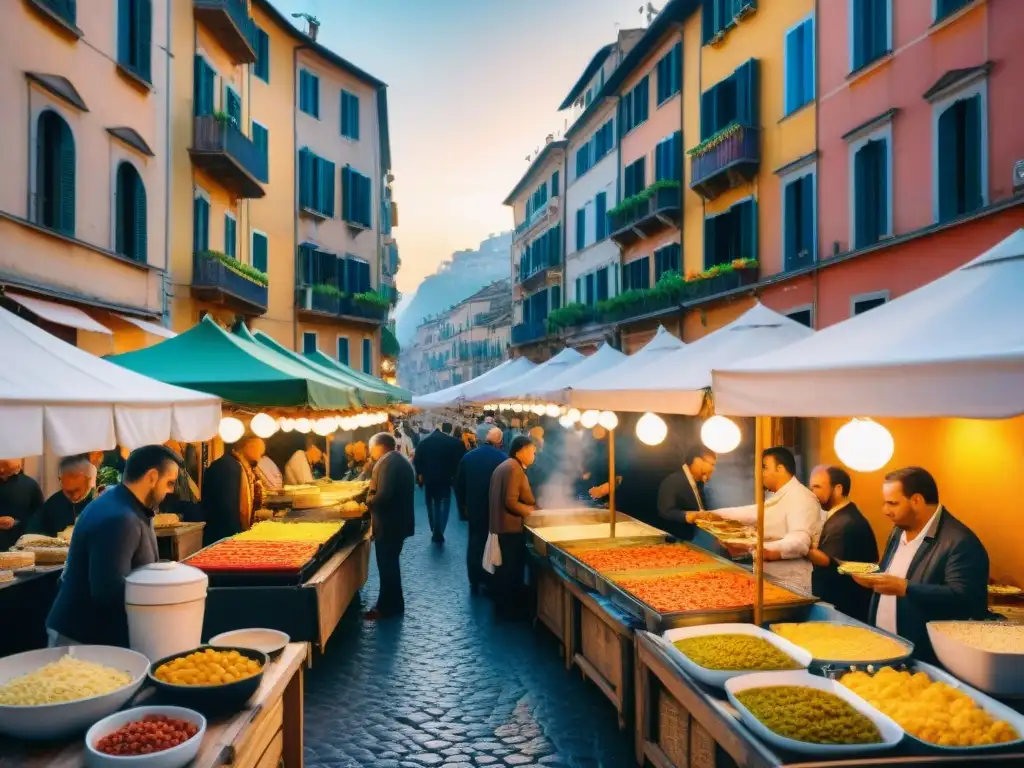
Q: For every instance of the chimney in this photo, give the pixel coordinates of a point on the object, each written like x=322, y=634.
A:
x=314, y=27
x=549, y=138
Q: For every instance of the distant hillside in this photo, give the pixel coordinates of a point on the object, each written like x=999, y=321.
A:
x=466, y=273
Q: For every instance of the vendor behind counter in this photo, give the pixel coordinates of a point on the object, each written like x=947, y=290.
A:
x=20, y=497
x=62, y=509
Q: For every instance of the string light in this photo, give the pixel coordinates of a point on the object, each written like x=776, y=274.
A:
x=651, y=429
x=864, y=445
x=230, y=429
x=720, y=434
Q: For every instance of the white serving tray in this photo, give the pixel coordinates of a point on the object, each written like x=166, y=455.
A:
x=716, y=677
x=999, y=674
x=892, y=733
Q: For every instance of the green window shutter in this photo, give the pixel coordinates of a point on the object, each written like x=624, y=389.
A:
x=579, y=297
x=354, y=120
x=143, y=39
x=327, y=180
x=791, y=224
x=710, y=243
x=973, y=197
x=707, y=113
x=197, y=84
x=66, y=157
x=746, y=213
x=807, y=218
x=314, y=88
x=262, y=69
x=229, y=235
x=861, y=196
x=881, y=191
x=346, y=193
x=140, y=238
x=305, y=178
x=261, y=138
x=200, y=224
x=367, y=356
x=601, y=215
x=302, y=90
x=124, y=32
x=259, y=251
x=343, y=350
x=581, y=228
x=748, y=108
x=554, y=184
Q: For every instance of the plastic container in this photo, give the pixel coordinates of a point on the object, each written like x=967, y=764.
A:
x=165, y=603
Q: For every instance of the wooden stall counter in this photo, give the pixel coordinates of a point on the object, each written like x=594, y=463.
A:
x=266, y=733
x=179, y=541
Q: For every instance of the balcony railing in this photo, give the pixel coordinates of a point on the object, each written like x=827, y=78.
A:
x=532, y=270
x=728, y=159
x=229, y=20
x=341, y=307
x=647, y=217
x=215, y=281
x=223, y=151
x=550, y=208
x=524, y=333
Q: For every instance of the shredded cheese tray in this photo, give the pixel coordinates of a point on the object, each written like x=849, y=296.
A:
x=64, y=680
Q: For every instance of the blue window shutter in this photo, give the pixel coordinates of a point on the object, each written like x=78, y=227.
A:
x=881, y=192
x=808, y=206
x=973, y=197
x=200, y=224
x=367, y=356
x=143, y=39
x=261, y=138
x=302, y=90
x=791, y=214
x=880, y=27
x=709, y=242
x=315, y=88
x=748, y=111
x=259, y=251
x=229, y=235
x=140, y=236
x=745, y=214
x=861, y=173
x=343, y=350
x=66, y=156
x=948, y=164
x=792, y=68
x=305, y=178
x=328, y=182
x=124, y=32
x=555, y=180
x=354, y=122
x=234, y=106
x=579, y=296
x=639, y=175
x=645, y=98
x=601, y=215
x=707, y=21
x=808, y=89
x=347, y=193
x=581, y=223
x=707, y=113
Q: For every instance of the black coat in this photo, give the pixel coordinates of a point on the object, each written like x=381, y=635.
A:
x=391, y=498
x=847, y=535
x=437, y=460
x=57, y=514
x=948, y=581
x=473, y=483
x=221, y=499
x=675, y=499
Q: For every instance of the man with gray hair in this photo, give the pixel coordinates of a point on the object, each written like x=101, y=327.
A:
x=472, y=486
x=61, y=510
x=391, y=501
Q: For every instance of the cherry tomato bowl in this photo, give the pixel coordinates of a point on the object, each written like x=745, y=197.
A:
x=173, y=757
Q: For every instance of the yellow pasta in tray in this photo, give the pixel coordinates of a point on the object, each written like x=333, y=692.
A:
x=67, y=679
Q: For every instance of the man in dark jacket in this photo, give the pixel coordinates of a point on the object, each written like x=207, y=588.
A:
x=20, y=497
x=113, y=537
x=230, y=490
x=472, y=489
x=511, y=500
x=682, y=493
x=63, y=508
x=391, y=501
x=436, y=461
x=934, y=567
x=845, y=536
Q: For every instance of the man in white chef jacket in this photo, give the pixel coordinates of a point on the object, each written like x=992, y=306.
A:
x=792, y=519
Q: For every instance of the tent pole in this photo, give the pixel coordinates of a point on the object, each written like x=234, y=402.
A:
x=759, y=446
x=611, y=479
x=327, y=456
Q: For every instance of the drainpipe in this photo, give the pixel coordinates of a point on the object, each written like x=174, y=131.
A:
x=616, y=336
x=815, y=277
x=295, y=202
x=165, y=279
x=29, y=213
x=682, y=170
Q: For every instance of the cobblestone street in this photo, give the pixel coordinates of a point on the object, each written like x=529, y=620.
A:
x=448, y=685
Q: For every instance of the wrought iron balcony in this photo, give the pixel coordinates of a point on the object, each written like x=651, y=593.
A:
x=647, y=217
x=223, y=151
x=544, y=213
x=215, y=281
x=525, y=333
x=341, y=307
x=726, y=160
x=230, y=22
x=534, y=274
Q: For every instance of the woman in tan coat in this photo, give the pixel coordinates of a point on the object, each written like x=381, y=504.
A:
x=511, y=500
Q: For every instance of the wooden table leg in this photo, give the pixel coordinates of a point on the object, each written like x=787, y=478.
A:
x=293, y=721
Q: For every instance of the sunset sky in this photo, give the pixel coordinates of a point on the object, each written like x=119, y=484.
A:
x=473, y=88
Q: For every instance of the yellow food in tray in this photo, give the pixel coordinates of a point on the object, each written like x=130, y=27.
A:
x=809, y=715
x=734, y=652
x=311, y=533
x=67, y=679
x=928, y=710
x=840, y=642
x=207, y=667
x=849, y=568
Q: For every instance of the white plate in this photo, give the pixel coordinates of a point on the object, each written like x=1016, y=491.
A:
x=267, y=640
x=718, y=677
x=999, y=674
x=891, y=732
x=54, y=721
x=175, y=757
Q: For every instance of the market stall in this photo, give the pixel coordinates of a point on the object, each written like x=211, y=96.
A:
x=464, y=393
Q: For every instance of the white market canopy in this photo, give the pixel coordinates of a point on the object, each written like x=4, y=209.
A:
x=453, y=396
x=520, y=387
x=601, y=362
x=73, y=402
x=675, y=382
x=952, y=348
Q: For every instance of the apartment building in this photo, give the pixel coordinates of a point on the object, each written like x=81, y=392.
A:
x=85, y=164
x=462, y=343
x=538, y=244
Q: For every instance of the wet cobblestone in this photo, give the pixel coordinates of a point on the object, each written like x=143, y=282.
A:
x=449, y=685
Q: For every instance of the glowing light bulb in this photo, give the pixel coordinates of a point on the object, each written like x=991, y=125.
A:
x=651, y=429
x=286, y=425
x=552, y=410
x=263, y=425
x=573, y=415
x=864, y=445
x=720, y=434
x=608, y=419
x=230, y=429
x=303, y=426
x=589, y=419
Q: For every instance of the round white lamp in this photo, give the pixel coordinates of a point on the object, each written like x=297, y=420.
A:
x=286, y=424
x=325, y=426
x=864, y=445
x=303, y=426
x=263, y=425
x=230, y=429
x=720, y=434
x=651, y=429
x=574, y=415
x=517, y=407
x=539, y=410
x=566, y=422
x=589, y=419
x=552, y=410
x=608, y=420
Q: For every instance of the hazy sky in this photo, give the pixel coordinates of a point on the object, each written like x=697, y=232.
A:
x=473, y=87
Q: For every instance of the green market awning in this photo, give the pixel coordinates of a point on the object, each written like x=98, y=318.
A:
x=397, y=394
x=209, y=359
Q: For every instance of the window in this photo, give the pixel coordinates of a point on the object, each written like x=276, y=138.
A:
x=944, y=8
x=602, y=284
x=668, y=158
x=357, y=274
x=130, y=214
x=233, y=105
x=555, y=293
x=601, y=216
x=55, y=174
x=869, y=31
x=636, y=275
x=356, y=194
x=554, y=184
x=667, y=259
x=230, y=235
x=799, y=82
x=309, y=342
x=633, y=182
x=203, y=78
x=589, y=293
x=736, y=99
x=798, y=224
x=634, y=106
x=870, y=192
x=582, y=160
x=309, y=93
x=960, y=157
x=349, y=115
x=200, y=222
x=261, y=138
x=259, y=251
x=803, y=315
x=367, y=356
x=731, y=234
x=262, y=66
x=134, y=36
x=719, y=15
x=343, y=349
x=581, y=228
x=544, y=251
x=867, y=301
x=316, y=183
x=670, y=74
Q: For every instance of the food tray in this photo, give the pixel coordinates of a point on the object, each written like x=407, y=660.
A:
x=996, y=709
x=891, y=733
x=547, y=518
x=719, y=677
x=584, y=573
x=271, y=578
x=999, y=674
x=822, y=663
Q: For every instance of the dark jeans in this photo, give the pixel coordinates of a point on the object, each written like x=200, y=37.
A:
x=439, y=504
x=475, y=552
x=511, y=574
x=390, y=601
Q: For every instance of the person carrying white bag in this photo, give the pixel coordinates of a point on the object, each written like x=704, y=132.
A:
x=511, y=501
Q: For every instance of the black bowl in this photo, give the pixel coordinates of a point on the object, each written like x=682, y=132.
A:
x=216, y=699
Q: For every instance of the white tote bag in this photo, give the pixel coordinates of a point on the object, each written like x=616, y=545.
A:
x=492, y=553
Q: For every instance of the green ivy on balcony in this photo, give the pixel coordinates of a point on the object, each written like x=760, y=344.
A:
x=714, y=140
x=389, y=346
x=569, y=316
x=372, y=299
x=233, y=264
x=645, y=195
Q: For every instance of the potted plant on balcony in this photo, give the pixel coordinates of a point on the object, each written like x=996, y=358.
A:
x=373, y=303
x=234, y=265
x=569, y=316
x=643, y=196
x=714, y=140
